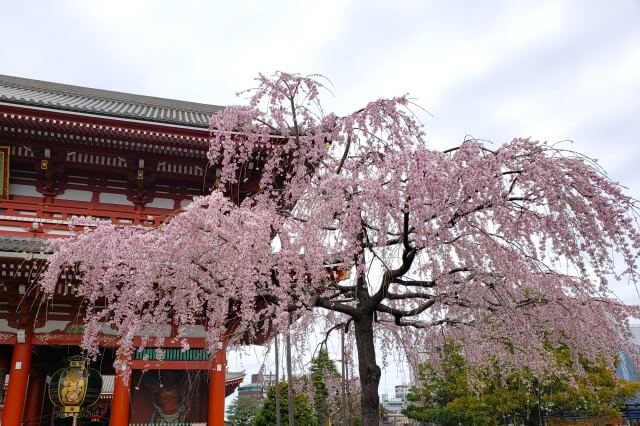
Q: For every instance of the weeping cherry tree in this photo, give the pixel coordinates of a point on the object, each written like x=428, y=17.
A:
x=507, y=249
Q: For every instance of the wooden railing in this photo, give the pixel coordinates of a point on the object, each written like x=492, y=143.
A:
x=31, y=217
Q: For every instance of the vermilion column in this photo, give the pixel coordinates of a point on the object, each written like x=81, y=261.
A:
x=18, y=380
x=120, y=403
x=4, y=364
x=33, y=404
x=216, y=387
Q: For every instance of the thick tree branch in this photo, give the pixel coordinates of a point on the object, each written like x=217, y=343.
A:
x=334, y=306
x=420, y=324
x=408, y=295
x=345, y=154
x=401, y=313
x=414, y=283
x=408, y=256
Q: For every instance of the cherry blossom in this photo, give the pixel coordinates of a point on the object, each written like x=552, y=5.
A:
x=357, y=221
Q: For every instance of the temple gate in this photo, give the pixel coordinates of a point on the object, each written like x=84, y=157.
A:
x=68, y=150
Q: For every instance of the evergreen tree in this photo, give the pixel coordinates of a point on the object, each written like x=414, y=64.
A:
x=323, y=372
x=445, y=397
x=242, y=411
x=303, y=414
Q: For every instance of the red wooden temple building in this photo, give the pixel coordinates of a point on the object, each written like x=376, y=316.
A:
x=65, y=151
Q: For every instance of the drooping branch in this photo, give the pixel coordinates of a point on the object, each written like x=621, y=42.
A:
x=340, y=326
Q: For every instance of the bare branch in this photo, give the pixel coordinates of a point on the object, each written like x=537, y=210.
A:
x=420, y=324
x=344, y=155
x=399, y=313
x=414, y=283
x=408, y=295
x=335, y=306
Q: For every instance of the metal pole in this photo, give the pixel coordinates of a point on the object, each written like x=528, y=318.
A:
x=289, y=382
x=349, y=400
x=344, y=384
x=47, y=381
x=277, y=383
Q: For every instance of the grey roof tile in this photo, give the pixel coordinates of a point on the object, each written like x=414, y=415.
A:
x=24, y=91
x=22, y=245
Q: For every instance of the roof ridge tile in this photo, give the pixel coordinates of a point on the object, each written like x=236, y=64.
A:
x=66, y=97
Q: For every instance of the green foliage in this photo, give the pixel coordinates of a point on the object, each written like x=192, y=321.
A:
x=303, y=414
x=321, y=368
x=446, y=398
x=242, y=411
x=598, y=391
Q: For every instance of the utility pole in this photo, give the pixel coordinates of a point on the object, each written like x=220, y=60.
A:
x=289, y=380
x=277, y=383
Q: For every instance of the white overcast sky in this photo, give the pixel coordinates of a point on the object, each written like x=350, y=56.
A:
x=548, y=69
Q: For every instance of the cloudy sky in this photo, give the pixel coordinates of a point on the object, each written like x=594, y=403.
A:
x=551, y=70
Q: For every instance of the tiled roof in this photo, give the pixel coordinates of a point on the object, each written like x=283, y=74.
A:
x=234, y=375
x=22, y=245
x=24, y=91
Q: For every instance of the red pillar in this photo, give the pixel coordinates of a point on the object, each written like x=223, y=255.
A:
x=33, y=405
x=4, y=363
x=18, y=380
x=120, y=403
x=216, y=387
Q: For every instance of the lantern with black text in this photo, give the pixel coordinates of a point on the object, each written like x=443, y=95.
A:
x=75, y=387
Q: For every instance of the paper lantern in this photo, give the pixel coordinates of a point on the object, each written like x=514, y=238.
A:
x=75, y=387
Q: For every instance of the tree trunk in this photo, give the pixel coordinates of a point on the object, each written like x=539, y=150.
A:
x=369, y=370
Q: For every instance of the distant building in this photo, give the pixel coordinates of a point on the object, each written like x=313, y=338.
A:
x=628, y=370
x=257, y=389
x=267, y=380
x=253, y=390
x=399, y=401
x=393, y=407
x=402, y=391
